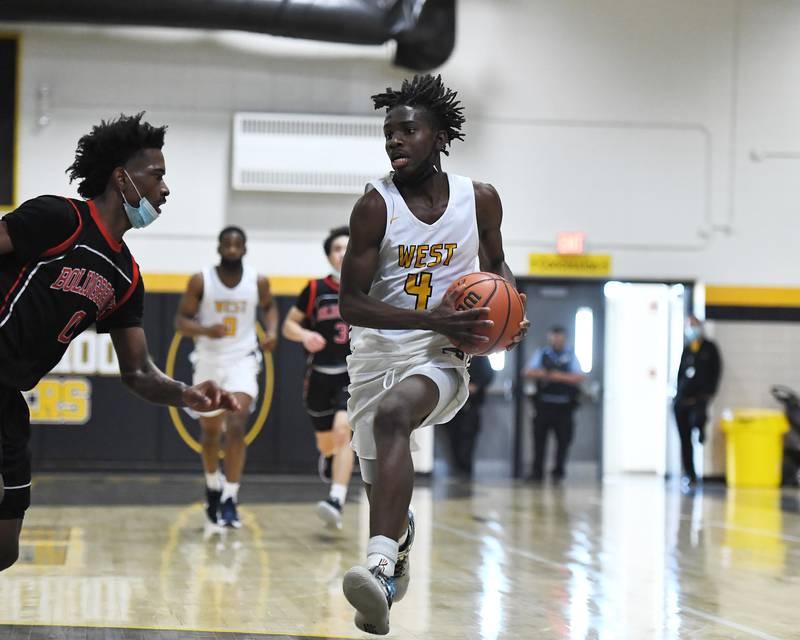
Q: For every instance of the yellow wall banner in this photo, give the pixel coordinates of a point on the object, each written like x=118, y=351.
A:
x=559, y=266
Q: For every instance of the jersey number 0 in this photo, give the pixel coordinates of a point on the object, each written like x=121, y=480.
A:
x=230, y=325
x=419, y=286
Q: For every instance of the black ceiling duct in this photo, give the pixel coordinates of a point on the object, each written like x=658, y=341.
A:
x=424, y=29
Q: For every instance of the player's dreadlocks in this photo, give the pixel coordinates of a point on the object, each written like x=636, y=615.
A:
x=109, y=145
x=429, y=93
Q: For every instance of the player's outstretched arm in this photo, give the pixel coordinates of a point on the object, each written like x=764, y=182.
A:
x=145, y=379
x=358, y=308
x=189, y=306
x=294, y=330
x=489, y=211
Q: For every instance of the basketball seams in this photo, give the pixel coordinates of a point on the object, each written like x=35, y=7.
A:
x=489, y=297
x=505, y=322
x=485, y=302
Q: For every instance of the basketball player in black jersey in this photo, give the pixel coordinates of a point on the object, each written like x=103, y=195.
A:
x=65, y=268
x=314, y=321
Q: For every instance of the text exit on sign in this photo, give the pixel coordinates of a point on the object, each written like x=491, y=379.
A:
x=571, y=243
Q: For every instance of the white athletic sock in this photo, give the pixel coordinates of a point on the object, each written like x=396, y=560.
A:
x=214, y=481
x=382, y=552
x=339, y=492
x=230, y=490
x=403, y=538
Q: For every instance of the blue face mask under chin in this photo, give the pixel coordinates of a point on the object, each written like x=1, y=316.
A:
x=142, y=215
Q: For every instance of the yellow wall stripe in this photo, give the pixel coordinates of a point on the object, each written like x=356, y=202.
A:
x=724, y=296
x=716, y=295
x=176, y=283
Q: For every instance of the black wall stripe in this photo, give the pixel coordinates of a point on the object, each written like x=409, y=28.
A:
x=8, y=106
x=761, y=314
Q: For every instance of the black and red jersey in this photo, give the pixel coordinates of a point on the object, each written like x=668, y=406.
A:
x=65, y=274
x=319, y=301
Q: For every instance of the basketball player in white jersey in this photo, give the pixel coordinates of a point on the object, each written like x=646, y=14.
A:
x=219, y=310
x=412, y=235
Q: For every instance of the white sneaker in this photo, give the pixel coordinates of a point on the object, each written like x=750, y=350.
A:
x=330, y=511
x=371, y=593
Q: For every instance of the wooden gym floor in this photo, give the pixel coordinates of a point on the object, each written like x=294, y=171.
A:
x=130, y=558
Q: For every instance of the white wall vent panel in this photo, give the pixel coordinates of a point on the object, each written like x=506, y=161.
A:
x=306, y=153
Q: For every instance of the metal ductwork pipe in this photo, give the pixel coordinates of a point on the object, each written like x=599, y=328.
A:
x=424, y=29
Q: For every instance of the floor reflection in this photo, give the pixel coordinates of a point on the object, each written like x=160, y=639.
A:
x=631, y=558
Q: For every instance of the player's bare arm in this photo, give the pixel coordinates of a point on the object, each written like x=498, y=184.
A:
x=489, y=211
x=294, y=330
x=5, y=240
x=269, y=310
x=367, y=225
x=188, y=308
x=145, y=379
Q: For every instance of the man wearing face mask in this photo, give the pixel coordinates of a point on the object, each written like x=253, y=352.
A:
x=219, y=310
x=64, y=268
x=314, y=321
x=698, y=379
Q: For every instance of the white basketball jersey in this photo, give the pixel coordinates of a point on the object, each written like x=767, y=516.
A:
x=233, y=307
x=418, y=261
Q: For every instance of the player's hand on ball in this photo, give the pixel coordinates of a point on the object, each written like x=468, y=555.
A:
x=459, y=326
x=208, y=396
x=269, y=342
x=313, y=342
x=217, y=331
x=523, y=326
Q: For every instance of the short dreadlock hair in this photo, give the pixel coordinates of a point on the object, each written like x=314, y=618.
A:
x=428, y=92
x=110, y=145
x=336, y=232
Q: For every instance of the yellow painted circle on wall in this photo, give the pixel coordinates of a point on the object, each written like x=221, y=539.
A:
x=266, y=395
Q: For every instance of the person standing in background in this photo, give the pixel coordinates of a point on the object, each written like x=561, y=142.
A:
x=698, y=379
x=463, y=429
x=558, y=378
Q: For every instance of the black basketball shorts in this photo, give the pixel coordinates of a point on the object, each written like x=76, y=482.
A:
x=324, y=395
x=15, y=455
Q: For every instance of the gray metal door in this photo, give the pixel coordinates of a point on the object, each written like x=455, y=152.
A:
x=557, y=303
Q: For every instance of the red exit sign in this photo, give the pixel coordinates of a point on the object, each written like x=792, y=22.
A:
x=571, y=243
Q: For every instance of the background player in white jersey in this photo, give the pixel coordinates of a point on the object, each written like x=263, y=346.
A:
x=219, y=310
x=314, y=320
x=417, y=231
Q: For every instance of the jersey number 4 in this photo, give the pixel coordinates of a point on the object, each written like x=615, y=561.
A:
x=419, y=286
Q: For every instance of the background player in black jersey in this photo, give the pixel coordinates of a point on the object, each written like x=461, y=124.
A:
x=314, y=321
x=63, y=268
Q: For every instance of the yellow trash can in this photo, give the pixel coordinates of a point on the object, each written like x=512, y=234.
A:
x=754, y=452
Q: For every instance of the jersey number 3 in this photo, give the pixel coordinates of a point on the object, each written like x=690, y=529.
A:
x=419, y=286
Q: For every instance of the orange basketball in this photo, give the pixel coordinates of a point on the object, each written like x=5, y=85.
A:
x=505, y=309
